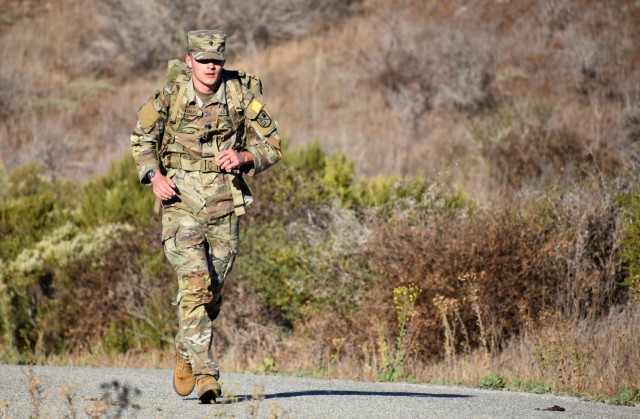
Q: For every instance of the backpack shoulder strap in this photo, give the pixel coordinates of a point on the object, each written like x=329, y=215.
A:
x=178, y=73
x=176, y=100
x=230, y=77
x=236, y=94
x=234, y=97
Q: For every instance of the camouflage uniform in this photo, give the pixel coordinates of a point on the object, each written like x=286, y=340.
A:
x=200, y=226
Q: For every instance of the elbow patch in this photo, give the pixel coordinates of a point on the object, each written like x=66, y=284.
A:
x=260, y=118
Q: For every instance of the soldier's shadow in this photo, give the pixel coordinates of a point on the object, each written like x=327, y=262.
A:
x=285, y=395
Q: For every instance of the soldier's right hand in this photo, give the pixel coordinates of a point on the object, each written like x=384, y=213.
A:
x=163, y=187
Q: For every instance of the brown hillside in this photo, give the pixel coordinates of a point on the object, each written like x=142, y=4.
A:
x=484, y=94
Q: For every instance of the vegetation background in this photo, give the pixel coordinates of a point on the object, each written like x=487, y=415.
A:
x=458, y=202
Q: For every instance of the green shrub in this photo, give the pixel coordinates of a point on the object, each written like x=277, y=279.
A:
x=115, y=341
x=628, y=396
x=30, y=207
x=22, y=222
x=338, y=179
x=310, y=159
x=117, y=196
x=276, y=269
x=493, y=382
x=285, y=190
x=307, y=177
x=537, y=387
x=631, y=241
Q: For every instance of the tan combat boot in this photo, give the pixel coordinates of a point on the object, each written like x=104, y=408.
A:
x=208, y=389
x=183, y=379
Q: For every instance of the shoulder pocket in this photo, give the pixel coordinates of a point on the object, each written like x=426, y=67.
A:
x=148, y=115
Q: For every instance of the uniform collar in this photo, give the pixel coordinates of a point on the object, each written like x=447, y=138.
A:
x=219, y=96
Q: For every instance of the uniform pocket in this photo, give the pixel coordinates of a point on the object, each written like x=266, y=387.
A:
x=169, y=231
x=189, y=190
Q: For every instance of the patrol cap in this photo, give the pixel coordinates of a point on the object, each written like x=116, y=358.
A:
x=206, y=44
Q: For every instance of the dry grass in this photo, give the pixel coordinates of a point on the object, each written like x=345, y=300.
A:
x=407, y=97
x=587, y=356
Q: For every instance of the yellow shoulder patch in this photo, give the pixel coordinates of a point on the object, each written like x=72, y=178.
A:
x=148, y=116
x=254, y=108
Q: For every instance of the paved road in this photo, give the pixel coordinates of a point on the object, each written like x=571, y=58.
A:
x=148, y=394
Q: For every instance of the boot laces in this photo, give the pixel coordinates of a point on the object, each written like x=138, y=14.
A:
x=183, y=365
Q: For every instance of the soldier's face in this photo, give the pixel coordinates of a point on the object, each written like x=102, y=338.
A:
x=205, y=73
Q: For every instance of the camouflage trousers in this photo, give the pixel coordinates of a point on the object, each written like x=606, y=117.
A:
x=202, y=252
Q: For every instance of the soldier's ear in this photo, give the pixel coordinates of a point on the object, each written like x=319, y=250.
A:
x=187, y=59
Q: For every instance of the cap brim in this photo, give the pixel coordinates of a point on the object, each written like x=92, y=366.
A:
x=204, y=55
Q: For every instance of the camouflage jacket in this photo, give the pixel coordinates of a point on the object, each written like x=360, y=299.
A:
x=182, y=143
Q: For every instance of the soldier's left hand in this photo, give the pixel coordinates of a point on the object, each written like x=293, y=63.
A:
x=231, y=159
